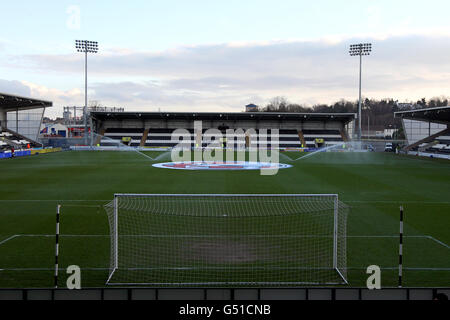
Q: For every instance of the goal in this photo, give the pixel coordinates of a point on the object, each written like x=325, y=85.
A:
x=227, y=239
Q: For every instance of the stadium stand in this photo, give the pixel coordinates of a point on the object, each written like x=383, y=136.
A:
x=161, y=137
x=440, y=145
x=24, y=114
x=443, y=139
x=328, y=137
x=13, y=139
x=154, y=129
x=4, y=146
x=127, y=136
x=427, y=131
x=10, y=140
x=287, y=138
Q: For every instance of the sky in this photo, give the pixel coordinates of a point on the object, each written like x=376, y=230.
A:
x=221, y=55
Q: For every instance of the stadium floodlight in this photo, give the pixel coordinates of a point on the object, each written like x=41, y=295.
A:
x=86, y=47
x=227, y=239
x=360, y=49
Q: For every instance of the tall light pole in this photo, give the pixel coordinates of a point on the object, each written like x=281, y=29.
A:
x=360, y=49
x=86, y=47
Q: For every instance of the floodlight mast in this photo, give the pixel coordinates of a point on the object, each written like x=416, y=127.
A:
x=360, y=49
x=91, y=47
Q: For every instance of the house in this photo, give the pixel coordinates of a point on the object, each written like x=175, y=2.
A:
x=251, y=108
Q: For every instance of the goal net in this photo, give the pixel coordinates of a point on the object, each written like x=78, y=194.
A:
x=227, y=239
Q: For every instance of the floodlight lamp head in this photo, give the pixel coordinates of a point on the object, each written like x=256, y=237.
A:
x=86, y=46
x=361, y=49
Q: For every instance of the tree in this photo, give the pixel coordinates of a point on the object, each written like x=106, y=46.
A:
x=422, y=102
x=380, y=113
x=277, y=104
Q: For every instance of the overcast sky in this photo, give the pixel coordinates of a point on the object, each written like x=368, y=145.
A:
x=221, y=55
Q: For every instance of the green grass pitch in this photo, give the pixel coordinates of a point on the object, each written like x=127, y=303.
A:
x=374, y=185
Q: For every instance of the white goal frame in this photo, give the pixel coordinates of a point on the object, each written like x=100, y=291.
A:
x=114, y=229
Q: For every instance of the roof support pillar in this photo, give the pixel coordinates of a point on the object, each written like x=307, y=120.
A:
x=2, y=119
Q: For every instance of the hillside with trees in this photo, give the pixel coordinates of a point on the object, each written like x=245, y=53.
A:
x=376, y=114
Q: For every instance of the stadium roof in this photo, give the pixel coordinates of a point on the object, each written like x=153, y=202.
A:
x=9, y=102
x=438, y=114
x=345, y=117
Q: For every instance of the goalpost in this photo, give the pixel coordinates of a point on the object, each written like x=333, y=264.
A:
x=227, y=239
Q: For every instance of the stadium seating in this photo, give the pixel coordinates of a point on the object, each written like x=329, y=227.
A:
x=162, y=137
x=158, y=137
x=330, y=137
x=11, y=139
x=440, y=145
x=5, y=134
x=289, y=139
x=113, y=136
x=444, y=139
x=4, y=146
x=422, y=146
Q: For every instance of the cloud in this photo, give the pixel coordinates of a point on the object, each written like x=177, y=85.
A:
x=281, y=57
x=58, y=97
x=151, y=97
x=14, y=87
x=227, y=76
x=374, y=17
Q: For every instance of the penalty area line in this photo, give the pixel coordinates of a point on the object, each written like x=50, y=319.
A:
x=51, y=235
x=438, y=241
x=9, y=238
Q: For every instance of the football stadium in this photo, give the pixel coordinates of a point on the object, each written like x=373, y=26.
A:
x=233, y=158
x=239, y=200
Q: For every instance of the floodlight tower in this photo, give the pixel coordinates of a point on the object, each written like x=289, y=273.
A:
x=360, y=49
x=86, y=47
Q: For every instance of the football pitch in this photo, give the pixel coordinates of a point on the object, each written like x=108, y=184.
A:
x=373, y=185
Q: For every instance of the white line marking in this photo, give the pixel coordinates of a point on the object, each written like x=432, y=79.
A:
x=395, y=201
x=101, y=235
x=191, y=236
x=343, y=200
x=48, y=200
x=213, y=236
x=427, y=237
x=185, y=268
x=10, y=238
x=387, y=236
x=440, y=242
